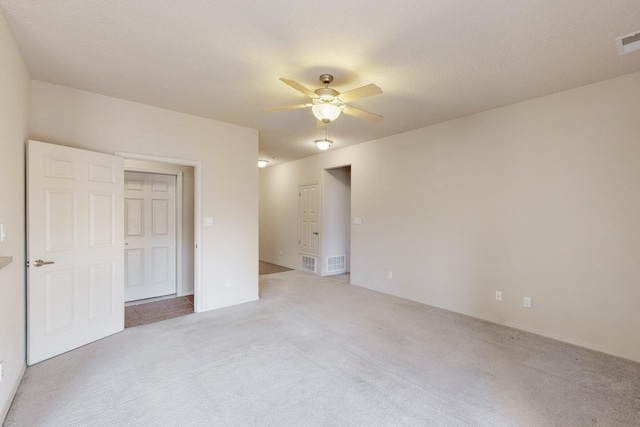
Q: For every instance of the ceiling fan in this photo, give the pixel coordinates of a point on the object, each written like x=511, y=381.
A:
x=327, y=103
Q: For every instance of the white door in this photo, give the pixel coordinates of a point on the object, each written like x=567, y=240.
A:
x=150, y=235
x=309, y=229
x=75, y=289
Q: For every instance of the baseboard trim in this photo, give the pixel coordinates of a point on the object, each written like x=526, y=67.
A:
x=12, y=395
x=550, y=335
x=555, y=337
x=513, y=325
x=229, y=304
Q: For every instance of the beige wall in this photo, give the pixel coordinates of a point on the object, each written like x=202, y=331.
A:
x=227, y=153
x=538, y=199
x=14, y=120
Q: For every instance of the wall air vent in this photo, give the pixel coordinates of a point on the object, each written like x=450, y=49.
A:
x=628, y=43
x=309, y=263
x=336, y=264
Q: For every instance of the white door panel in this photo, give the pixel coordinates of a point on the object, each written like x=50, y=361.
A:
x=309, y=229
x=150, y=235
x=74, y=221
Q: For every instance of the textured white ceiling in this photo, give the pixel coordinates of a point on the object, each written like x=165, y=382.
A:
x=434, y=59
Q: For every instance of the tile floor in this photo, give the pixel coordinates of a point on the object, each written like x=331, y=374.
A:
x=150, y=312
x=268, y=268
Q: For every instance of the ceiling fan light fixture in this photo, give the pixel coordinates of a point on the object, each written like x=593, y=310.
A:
x=326, y=112
x=323, y=144
x=262, y=163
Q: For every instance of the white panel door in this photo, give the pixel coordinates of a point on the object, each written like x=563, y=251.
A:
x=75, y=289
x=150, y=235
x=309, y=226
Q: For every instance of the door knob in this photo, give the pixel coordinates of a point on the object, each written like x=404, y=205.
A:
x=315, y=232
x=40, y=263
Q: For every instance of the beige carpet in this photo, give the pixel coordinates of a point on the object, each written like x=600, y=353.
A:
x=319, y=352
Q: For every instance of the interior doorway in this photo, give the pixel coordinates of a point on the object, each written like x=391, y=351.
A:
x=151, y=295
x=336, y=221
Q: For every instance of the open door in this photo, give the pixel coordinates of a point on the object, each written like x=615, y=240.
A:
x=75, y=237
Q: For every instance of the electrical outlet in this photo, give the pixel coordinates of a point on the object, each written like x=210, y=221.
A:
x=498, y=295
x=390, y=275
x=227, y=283
x=527, y=302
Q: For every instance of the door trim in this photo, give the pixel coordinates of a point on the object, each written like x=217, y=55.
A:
x=197, y=201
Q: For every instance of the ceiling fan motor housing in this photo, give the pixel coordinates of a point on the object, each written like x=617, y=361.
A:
x=326, y=94
x=326, y=78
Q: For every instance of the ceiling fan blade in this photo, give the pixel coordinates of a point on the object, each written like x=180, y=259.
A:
x=361, y=92
x=361, y=114
x=297, y=86
x=288, y=107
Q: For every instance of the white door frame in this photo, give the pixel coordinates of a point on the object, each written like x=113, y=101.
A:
x=197, y=201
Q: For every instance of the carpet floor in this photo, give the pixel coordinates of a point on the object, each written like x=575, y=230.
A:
x=318, y=352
